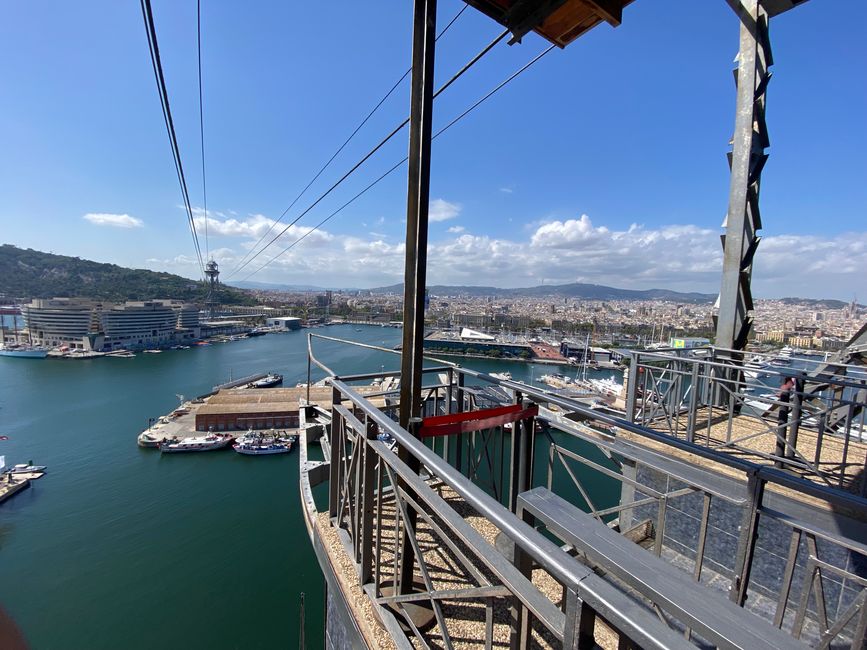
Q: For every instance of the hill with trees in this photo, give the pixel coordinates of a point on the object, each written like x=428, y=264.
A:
x=26, y=273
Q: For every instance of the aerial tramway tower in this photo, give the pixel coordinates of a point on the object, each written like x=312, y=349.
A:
x=212, y=274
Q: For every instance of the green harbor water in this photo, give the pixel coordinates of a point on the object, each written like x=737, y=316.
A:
x=122, y=547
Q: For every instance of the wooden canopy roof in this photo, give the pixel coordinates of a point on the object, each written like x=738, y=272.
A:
x=559, y=21
x=562, y=21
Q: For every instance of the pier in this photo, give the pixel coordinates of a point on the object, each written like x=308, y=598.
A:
x=241, y=409
x=12, y=484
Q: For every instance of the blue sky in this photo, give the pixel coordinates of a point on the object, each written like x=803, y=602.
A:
x=605, y=162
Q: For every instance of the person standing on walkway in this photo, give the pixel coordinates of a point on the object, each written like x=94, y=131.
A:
x=785, y=397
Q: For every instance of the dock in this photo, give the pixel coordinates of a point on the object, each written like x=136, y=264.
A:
x=17, y=483
x=234, y=409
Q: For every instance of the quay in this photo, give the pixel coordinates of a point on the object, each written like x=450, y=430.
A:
x=11, y=485
x=241, y=409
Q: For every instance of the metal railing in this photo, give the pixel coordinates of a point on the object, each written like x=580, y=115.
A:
x=394, y=512
x=818, y=428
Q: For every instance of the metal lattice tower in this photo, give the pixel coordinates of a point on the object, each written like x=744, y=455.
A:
x=746, y=160
x=212, y=273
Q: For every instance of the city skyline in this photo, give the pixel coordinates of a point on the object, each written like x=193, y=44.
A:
x=618, y=178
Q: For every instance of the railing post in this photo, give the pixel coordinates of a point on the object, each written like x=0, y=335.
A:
x=632, y=386
x=519, y=637
x=629, y=470
x=749, y=533
x=337, y=450
x=580, y=621
x=693, y=403
x=521, y=465
x=459, y=438
x=369, y=459
x=407, y=556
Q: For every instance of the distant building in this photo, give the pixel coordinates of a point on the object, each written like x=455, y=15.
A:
x=687, y=343
x=100, y=327
x=284, y=323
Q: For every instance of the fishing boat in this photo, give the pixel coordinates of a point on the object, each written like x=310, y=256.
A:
x=264, y=448
x=197, y=443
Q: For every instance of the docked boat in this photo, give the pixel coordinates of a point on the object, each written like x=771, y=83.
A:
x=23, y=351
x=753, y=368
x=121, y=354
x=25, y=468
x=152, y=351
x=264, y=449
x=271, y=380
x=609, y=387
x=149, y=439
x=197, y=443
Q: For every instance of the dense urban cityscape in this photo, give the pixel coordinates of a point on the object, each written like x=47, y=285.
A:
x=808, y=324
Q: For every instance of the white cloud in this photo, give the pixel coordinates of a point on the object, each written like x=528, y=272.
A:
x=681, y=257
x=441, y=210
x=564, y=234
x=506, y=190
x=254, y=225
x=113, y=220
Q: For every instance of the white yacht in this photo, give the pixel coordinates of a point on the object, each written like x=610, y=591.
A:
x=197, y=443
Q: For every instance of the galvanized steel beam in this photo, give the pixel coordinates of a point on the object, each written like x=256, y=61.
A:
x=747, y=159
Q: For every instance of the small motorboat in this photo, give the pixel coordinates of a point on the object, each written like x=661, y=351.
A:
x=25, y=468
x=273, y=379
x=197, y=443
x=148, y=439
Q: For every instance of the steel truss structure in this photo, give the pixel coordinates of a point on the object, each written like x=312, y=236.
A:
x=708, y=570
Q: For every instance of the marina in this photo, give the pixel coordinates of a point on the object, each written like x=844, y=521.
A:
x=135, y=529
x=496, y=472
x=130, y=504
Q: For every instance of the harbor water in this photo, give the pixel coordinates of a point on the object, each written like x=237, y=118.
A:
x=122, y=547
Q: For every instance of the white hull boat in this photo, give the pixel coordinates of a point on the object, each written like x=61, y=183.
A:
x=197, y=443
x=23, y=352
x=263, y=450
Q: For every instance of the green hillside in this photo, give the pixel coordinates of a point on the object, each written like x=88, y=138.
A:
x=34, y=274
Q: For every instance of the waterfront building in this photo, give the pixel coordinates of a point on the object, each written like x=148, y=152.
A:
x=88, y=325
x=284, y=323
x=67, y=322
x=472, y=342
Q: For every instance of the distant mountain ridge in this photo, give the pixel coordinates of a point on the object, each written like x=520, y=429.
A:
x=818, y=303
x=26, y=273
x=273, y=286
x=573, y=290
